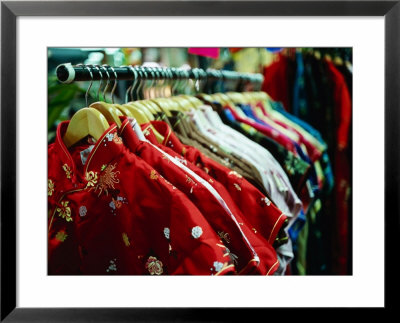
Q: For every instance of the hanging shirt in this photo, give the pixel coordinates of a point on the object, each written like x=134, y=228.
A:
x=111, y=213
x=255, y=206
x=251, y=253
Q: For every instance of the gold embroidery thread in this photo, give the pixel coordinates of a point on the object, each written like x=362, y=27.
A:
x=64, y=211
x=153, y=174
x=237, y=187
x=50, y=187
x=67, y=171
x=125, y=238
x=61, y=236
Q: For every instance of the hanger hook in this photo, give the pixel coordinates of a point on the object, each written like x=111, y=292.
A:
x=101, y=81
x=108, y=81
x=135, y=80
x=91, y=82
x=141, y=75
x=115, y=84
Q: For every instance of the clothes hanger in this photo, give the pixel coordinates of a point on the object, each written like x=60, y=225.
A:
x=110, y=112
x=135, y=110
x=85, y=122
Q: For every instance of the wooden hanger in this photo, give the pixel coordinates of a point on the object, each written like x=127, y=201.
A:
x=110, y=112
x=85, y=122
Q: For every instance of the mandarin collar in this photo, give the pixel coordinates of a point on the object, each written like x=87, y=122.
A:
x=104, y=151
x=170, y=139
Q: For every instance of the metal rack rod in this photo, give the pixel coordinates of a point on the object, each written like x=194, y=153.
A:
x=67, y=73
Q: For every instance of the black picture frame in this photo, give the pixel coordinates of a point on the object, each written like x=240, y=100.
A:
x=10, y=10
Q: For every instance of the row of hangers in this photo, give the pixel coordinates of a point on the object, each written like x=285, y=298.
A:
x=94, y=119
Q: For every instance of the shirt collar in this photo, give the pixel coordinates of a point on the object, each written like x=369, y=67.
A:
x=104, y=151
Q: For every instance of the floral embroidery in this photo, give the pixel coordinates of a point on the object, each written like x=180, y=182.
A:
x=146, y=132
x=211, y=181
x=183, y=151
x=237, y=187
x=112, y=266
x=50, y=187
x=91, y=178
x=265, y=200
x=125, y=238
x=154, y=266
x=82, y=210
x=67, y=170
x=117, y=139
x=218, y=266
x=61, y=236
x=166, y=233
x=225, y=236
x=107, y=179
x=189, y=180
x=110, y=136
x=103, y=167
x=153, y=174
x=197, y=232
x=116, y=203
x=206, y=170
x=235, y=174
x=64, y=211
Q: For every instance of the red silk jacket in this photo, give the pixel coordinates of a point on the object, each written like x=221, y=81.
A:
x=111, y=213
x=251, y=253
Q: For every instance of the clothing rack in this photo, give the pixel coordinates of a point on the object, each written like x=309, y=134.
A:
x=67, y=73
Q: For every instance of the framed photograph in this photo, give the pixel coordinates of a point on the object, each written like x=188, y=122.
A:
x=39, y=41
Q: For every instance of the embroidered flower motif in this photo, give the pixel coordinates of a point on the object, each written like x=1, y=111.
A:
x=112, y=205
x=146, y=132
x=206, y=170
x=103, y=167
x=189, y=180
x=225, y=236
x=218, y=266
x=183, y=151
x=107, y=179
x=166, y=233
x=61, y=236
x=235, y=174
x=91, y=178
x=197, y=232
x=112, y=266
x=153, y=174
x=266, y=201
x=82, y=210
x=50, y=187
x=117, y=139
x=154, y=266
x=67, y=171
x=237, y=186
x=125, y=238
x=64, y=211
x=110, y=136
